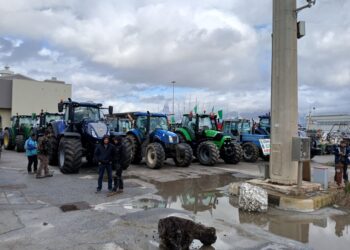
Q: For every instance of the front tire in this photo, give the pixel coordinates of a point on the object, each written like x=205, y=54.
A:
x=126, y=153
x=250, y=152
x=232, y=153
x=208, y=153
x=136, y=154
x=183, y=155
x=7, y=140
x=155, y=155
x=70, y=153
x=20, y=143
x=53, y=148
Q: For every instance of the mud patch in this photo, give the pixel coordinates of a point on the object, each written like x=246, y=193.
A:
x=74, y=206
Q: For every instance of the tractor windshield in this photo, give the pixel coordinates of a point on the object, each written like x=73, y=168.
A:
x=124, y=125
x=158, y=122
x=86, y=113
x=25, y=120
x=52, y=117
x=245, y=127
x=264, y=122
x=205, y=123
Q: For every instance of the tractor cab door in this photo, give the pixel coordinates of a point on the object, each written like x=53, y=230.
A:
x=189, y=123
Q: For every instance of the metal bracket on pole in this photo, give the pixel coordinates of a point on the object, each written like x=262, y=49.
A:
x=309, y=4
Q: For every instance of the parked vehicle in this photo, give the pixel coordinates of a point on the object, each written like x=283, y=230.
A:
x=16, y=135
x=208, y=144
x=150, y=138
x=77, y=134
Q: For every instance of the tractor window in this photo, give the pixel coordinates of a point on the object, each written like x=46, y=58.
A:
x=52, y=117
x=159, y=122
x=185, y=121
x=245, y=127
x=87, y=113
x=264, y=122
x=141, y=122
x=25, y=120
x=205, y=123
x=124, y=125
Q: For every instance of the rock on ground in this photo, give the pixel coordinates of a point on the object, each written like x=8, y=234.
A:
x=252, y=198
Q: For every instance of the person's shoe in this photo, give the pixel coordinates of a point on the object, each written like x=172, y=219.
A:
x=98, y=190
x=48, y=175
x=39, y=176
x=114, y=189
x=120, y=191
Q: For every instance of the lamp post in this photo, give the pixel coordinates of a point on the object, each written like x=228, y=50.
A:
x=173, y=82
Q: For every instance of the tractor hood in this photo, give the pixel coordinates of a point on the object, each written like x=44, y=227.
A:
x=97, y=129
x=211, y=133
x=165, y=136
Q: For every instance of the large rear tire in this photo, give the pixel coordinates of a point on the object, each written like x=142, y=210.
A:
x=53, y=149
x=7, y=140
x=136, y=154
x=126, y=153
x=183, y=155
x=232, y=153
x=70, y=153
x=155, y=155
x=20, y=143
x=208, y=153
x=250, y=152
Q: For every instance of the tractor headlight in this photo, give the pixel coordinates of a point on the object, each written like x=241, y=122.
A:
x=93, y=133
x=171, y=140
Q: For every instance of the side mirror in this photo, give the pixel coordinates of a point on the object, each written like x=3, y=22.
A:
x=110, y=110
x=60, y=107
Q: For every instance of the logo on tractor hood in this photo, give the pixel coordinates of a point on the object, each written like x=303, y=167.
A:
x=98, y=129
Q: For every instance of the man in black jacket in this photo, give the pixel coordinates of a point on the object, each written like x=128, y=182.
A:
x=104, y=156
x=118, y=180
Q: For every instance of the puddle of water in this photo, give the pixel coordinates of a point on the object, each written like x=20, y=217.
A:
x=206, y=199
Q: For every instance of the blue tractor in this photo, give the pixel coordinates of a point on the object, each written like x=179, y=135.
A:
x=77, y=134
x=150, y=138
x=244, y=133
x=263, y=127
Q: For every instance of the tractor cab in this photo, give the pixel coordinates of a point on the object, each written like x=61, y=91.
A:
x=264, y=125
x=236, y=127
x=200, y=125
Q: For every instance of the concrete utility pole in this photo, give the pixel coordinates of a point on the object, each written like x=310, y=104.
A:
x=284, y=92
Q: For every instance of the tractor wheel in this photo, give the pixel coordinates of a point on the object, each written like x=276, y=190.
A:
x=53, y=147
x=183, y=155
x=136, y=154
x=126, y=153
x=208, y=153
x=7, y=140
x=250, y=152
x=70, y=153
x=232, y=153
x=155, y=155
x=20, y=143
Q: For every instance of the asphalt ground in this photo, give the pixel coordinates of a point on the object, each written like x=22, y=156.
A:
x=31, y=216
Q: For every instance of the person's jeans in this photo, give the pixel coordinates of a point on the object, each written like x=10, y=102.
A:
x=32, y=159
x=101, y=171
x=345, y=172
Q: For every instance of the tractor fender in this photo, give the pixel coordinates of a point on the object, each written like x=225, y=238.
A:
x=137, y=134
x=71, y=134
x=185, y=133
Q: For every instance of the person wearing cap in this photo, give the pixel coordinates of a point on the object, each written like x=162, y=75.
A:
x=341, y=160
x=104, y=156
x=118, y=179
x=43, y=151
x=31, y=147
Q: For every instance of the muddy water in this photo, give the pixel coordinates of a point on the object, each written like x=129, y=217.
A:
x=206, y=199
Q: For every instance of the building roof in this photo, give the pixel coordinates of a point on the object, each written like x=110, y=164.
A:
x=16, y=76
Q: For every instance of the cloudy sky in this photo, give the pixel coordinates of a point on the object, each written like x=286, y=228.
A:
x=126, y=53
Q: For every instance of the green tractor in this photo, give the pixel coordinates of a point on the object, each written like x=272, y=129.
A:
x=208, y=144
x=20, y=130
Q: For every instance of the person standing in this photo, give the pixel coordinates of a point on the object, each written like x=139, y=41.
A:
x=43, y=151
x=341, y=153
x=118, y=179
x=31, y=148
x=104, y=156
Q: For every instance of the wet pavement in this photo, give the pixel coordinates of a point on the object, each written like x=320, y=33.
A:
x=31, y=214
